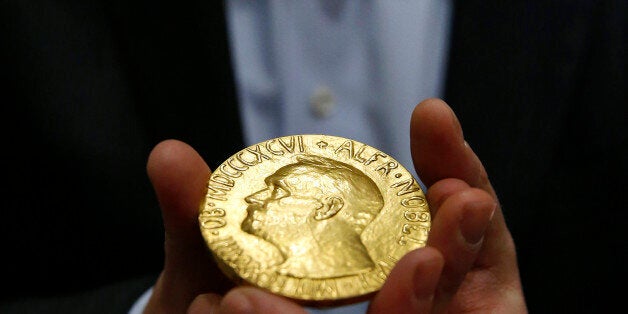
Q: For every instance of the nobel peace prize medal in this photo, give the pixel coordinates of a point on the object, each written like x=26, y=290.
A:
x=316, y=218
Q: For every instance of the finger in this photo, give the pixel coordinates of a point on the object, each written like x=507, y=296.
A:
x=252, y=300
x=438, y=147
x=441, y=190
x=457, y=232
x=179, y=177
x=439, y=152
x=205, y=303
x=411, y=285
x=461, y=252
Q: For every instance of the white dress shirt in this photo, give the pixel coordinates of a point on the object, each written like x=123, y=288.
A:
x=354, y=69
x=348, y=68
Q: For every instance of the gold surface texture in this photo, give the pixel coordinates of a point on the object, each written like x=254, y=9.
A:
x=315, y=218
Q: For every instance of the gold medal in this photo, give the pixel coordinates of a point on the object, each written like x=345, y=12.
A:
x=319, y=219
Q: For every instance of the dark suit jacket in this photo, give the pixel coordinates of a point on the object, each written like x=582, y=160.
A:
x=91, y=87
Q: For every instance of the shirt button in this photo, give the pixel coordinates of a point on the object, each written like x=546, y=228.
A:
x=322, y=102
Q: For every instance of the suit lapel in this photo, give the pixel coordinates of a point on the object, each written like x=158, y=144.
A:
x=512, y=71
x=177, y=60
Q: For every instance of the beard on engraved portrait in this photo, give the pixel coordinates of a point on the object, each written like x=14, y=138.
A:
x=314, y=211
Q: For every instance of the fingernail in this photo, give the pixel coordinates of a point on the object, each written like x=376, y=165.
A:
x=475, y=220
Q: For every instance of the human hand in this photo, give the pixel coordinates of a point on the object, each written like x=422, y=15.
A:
x=469, y=264
x=451, y=276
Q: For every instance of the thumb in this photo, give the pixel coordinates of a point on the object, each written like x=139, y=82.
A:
x=179, y=176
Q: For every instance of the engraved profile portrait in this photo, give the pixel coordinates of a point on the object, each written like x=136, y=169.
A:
x=314, y=211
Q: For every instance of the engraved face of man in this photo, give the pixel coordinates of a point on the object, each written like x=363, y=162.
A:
x=314, y=203
x=284, y=206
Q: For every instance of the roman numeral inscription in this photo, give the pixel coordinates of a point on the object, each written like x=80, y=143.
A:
x=221, y=181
